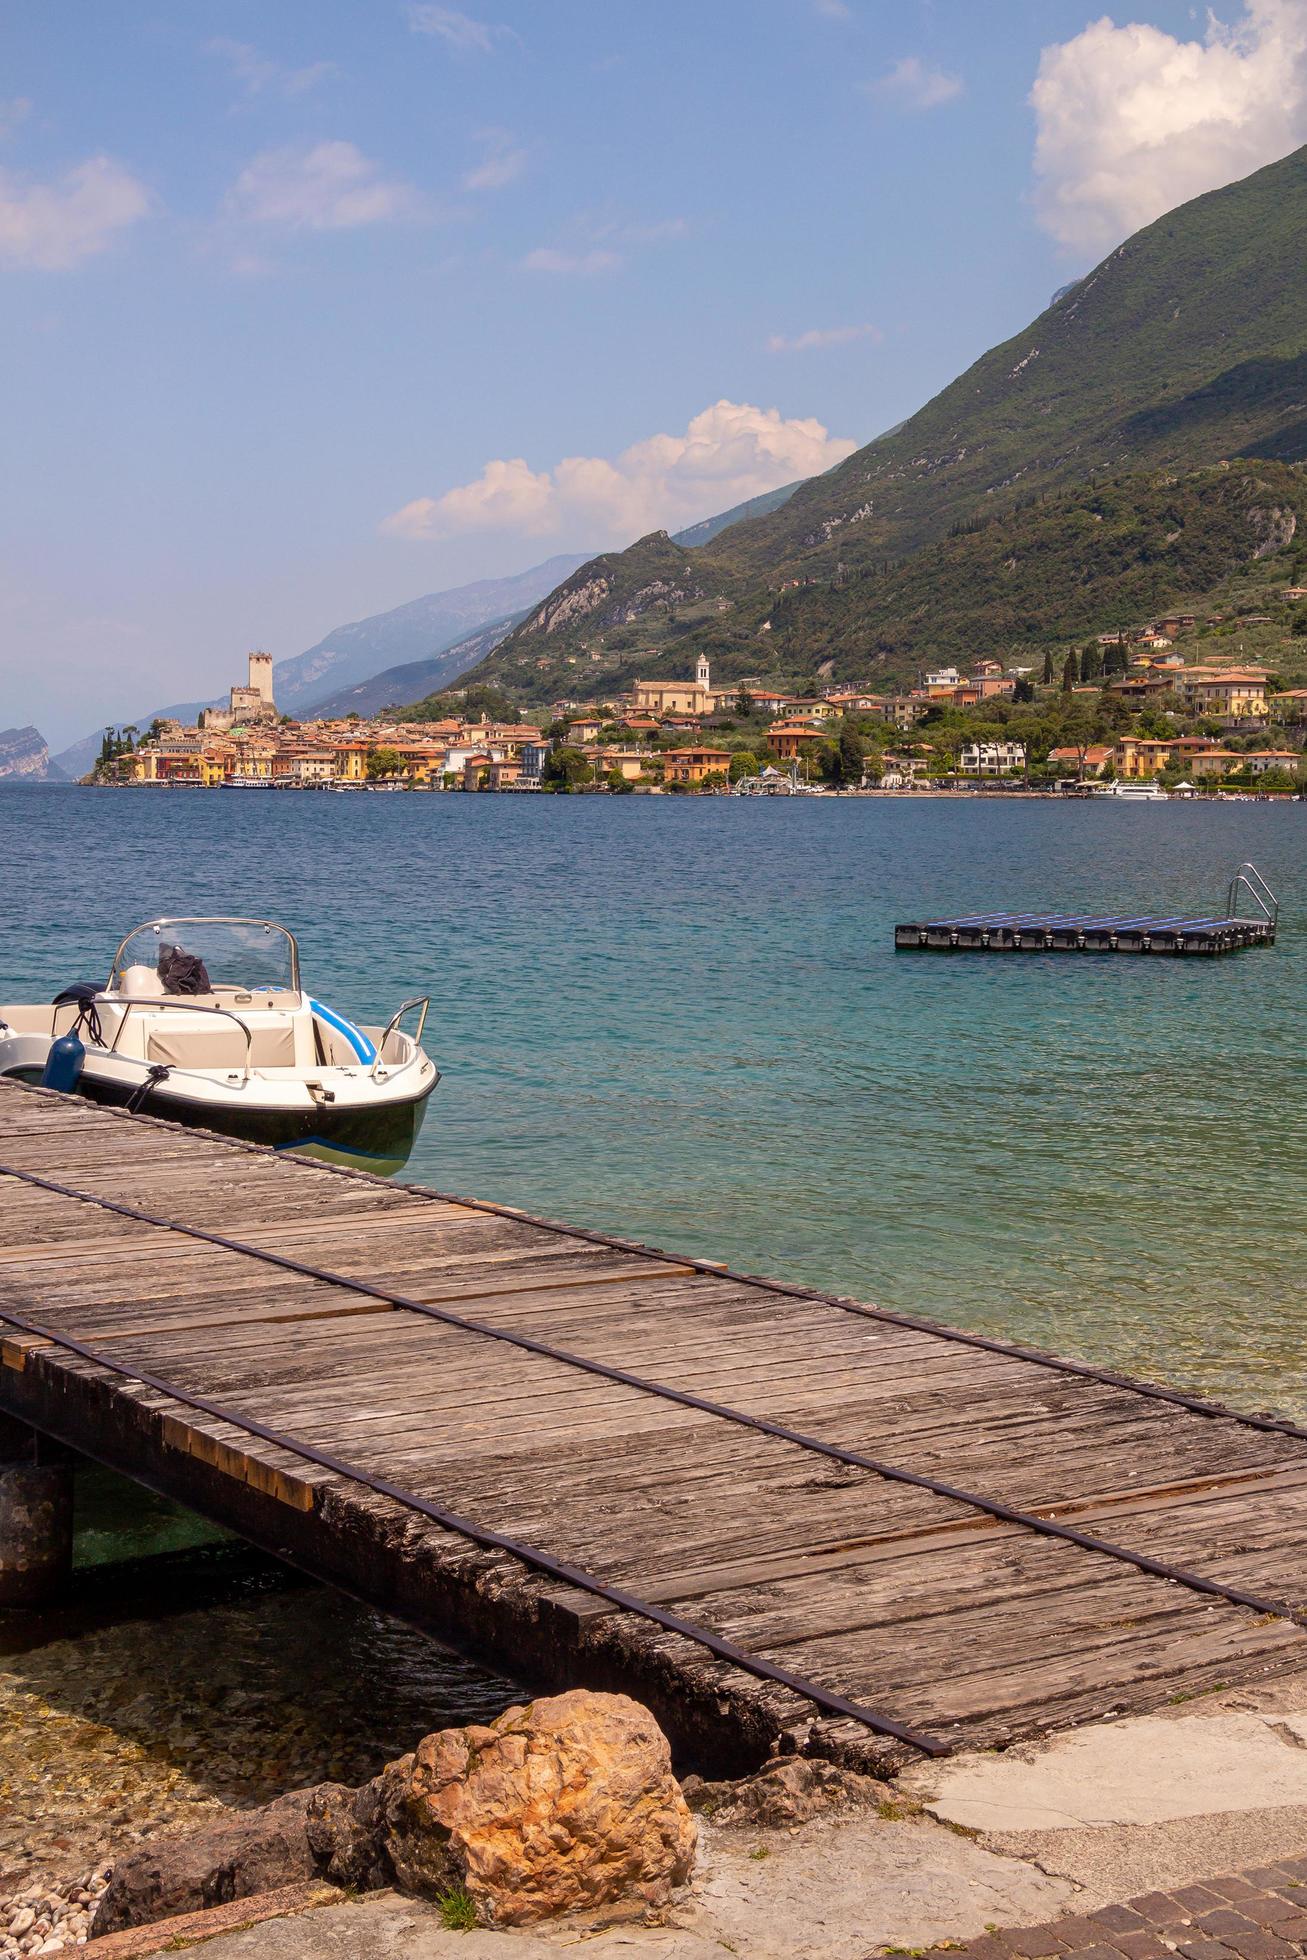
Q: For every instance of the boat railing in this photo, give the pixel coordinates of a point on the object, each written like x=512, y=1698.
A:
x=379, y=1071
x=1249, y=879
x=186, y=1005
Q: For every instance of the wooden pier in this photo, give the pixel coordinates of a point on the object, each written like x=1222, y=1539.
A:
x=779, y=1517
x=1195, y=933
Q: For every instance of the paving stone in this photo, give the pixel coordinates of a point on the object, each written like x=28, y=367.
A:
x=1032, y=1941
x=1230, y=1888
x=1159, y=1909
x=1076, y=1930
x=1101, y=1953
x=1197, y=1898
x=1263, y=1946
x=1225, y=1924
x=1141, y=1946
x=1268, y=1908
x=1203, y=1949
x=1117, y=1919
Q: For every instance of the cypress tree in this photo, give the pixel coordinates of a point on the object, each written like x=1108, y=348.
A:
x=1048, y=668
x=1070, y=671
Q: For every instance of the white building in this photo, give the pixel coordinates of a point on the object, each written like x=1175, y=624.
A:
x=992, y=758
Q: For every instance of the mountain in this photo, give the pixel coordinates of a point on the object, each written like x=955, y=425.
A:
x=708, y=527
x=24, y=758
x=410, y=632
x=418, y=630
x=415, y=678
x=1186, y=346
x=1088, y=560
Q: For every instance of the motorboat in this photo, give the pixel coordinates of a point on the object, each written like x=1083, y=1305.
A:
x=1138, y=792
x=204, y=1021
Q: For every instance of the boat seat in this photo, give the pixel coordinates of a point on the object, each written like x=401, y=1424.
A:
x=221, y=1047
x=140, y=981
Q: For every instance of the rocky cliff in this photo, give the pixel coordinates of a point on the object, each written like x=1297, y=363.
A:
x=24, y=757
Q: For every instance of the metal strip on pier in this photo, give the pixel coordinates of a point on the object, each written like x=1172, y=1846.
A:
x=531, y=1555
x=856, y=1459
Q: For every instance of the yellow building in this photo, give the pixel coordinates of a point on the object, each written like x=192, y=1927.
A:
x=692, y=765
x=790, y=738
x=1233, y=692
x=676, y=697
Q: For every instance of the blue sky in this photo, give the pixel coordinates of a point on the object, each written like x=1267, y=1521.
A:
x=306, y=308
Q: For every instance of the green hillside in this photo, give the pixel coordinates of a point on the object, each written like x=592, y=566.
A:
x=1061, y=567
x=1186, y=346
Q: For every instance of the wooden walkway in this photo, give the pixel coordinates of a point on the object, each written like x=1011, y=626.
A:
x=760, y=1509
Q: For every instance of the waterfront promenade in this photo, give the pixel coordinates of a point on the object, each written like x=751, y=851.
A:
x=761, y=1510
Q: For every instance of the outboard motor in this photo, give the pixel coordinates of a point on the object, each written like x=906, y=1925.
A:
x=63, y=1064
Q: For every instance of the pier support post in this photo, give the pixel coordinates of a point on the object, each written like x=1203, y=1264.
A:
x=36, y=1516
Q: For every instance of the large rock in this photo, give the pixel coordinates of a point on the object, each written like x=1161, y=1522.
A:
x=257, y=1851
x=566, y=1804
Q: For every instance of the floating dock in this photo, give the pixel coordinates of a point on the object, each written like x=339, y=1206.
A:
x=1069, y=932
x=779, y=1517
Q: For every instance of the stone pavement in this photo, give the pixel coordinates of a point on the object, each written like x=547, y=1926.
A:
x=1260, y=1914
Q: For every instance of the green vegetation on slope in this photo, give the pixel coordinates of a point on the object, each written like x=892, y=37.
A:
x=1187, y=345
x=1065, y=566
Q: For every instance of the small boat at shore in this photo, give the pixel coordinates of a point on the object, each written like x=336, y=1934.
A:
x=204, y=1021
x=1145, y=792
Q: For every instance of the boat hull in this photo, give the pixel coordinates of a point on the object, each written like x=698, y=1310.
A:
x=382, y=1134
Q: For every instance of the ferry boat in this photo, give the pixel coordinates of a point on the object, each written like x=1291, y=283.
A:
x=204, y=1021
x=1148, y=792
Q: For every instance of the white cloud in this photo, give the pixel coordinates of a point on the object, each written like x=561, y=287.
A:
x=1131, y=121
x=802, y=343
x=327, y=186
x=54, y=225
x=501, y=164
x=255, y=72
x=914, y=85
x=729, y=452
x=459, y=31
x=545, y=259
x=832, y=9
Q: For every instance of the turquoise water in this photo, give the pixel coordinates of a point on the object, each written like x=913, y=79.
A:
x=683, y=1020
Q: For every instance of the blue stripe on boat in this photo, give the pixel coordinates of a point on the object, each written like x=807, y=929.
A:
x=356, y=1038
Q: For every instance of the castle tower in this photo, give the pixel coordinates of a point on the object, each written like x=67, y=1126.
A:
x=701, y=672
x=261, y=677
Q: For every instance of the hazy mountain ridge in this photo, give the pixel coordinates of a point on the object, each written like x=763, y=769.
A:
x=415, y=678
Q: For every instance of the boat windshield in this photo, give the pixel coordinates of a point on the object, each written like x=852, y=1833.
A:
x=206, y=956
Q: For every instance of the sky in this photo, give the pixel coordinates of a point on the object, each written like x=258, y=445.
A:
x=307, y=310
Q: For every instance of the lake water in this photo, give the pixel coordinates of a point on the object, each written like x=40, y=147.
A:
x=683, y=1020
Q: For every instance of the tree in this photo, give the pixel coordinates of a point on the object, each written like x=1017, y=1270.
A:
x=1070, y=671
x=382, y=762
x=565, y=769
x=1115, y=658
x=1024, y=690
x=744, y=704
x=743, y=763
x=1048, y=668
x=1091, y=661
x=617, y=782
x=849, y=755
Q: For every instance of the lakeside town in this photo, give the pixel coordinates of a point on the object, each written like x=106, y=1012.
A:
x=1126, y=709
